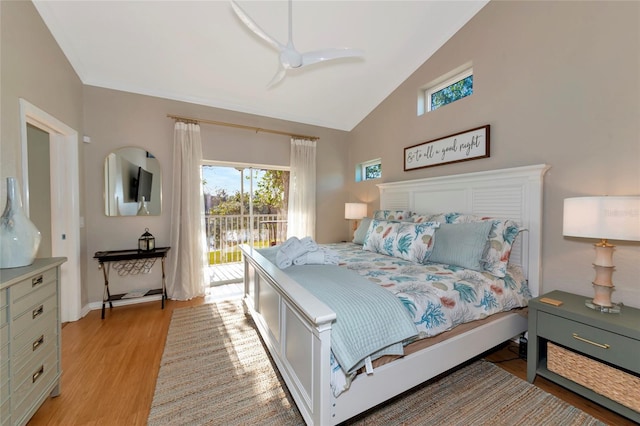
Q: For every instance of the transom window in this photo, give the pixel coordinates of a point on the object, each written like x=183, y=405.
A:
x=445, y=90
x=368, y=170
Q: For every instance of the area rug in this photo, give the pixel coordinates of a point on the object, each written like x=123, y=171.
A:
x=215, y=371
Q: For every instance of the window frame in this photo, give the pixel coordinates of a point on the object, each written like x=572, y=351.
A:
x=361, y=170
x=449, y=82
x=425, y=92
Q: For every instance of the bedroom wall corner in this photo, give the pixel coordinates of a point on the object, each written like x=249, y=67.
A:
x=540, y=74
x=34, y=68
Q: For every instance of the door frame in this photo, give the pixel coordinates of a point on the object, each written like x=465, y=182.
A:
x=65, y=203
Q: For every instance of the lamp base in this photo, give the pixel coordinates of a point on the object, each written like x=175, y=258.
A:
x=615, y=308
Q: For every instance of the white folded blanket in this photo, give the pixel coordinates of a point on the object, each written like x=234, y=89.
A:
x=288, y=251
x=309, y=244
x=322, y=256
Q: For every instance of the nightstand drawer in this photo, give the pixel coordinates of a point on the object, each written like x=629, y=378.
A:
x=601, y=344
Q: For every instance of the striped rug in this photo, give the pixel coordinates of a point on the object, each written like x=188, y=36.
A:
x=215, y=371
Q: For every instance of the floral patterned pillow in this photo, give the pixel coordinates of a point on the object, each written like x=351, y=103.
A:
x=414, y=241
x=501, y=237
x=381, y=237
x=398, y=215
x=421, y=218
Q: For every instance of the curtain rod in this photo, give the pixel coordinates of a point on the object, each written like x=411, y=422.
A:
x=240, y=126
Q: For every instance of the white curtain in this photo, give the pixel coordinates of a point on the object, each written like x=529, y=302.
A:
x=187, y=257
x=301, y=220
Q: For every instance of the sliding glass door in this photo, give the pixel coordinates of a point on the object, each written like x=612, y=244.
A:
x=244, y=204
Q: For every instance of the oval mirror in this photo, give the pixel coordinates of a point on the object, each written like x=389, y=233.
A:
x=132, y=183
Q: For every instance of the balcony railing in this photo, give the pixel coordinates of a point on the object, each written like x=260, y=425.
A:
x=226, y=232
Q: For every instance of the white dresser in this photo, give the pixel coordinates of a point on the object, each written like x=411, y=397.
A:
x=30, y=366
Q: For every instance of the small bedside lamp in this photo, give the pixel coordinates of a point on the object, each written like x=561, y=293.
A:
x=355, y=212
x=604, y=218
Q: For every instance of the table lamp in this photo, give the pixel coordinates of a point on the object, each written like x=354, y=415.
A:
x=605, y=218
x=355, y=212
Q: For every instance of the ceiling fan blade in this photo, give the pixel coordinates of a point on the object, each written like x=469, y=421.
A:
x=277, y=78
x=314, y=57
x=251, y=24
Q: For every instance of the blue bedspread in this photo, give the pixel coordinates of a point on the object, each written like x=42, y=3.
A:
x=370, y=321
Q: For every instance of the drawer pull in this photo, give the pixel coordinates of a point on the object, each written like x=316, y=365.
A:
x=36, y=281
x=37, y=343
x=582, y=339
x=37, y=312
x=37, y=374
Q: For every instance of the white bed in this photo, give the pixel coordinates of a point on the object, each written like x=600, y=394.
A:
x=296, y=327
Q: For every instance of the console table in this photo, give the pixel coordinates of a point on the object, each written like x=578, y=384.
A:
x=130, y=262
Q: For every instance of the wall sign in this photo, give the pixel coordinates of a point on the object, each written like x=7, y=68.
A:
x=463, y=146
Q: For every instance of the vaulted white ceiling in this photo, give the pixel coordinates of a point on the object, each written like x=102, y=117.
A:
x=200, y=52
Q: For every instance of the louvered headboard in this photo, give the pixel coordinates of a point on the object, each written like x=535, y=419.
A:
x=514, y=193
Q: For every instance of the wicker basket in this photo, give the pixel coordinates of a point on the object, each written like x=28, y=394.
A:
x=615, y=384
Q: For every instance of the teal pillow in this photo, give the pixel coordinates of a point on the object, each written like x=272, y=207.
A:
x=361, y=232
x=461, y=244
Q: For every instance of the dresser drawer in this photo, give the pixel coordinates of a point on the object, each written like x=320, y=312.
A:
x=4, y=346
x=4, y=311
x=31, y=384
x=32, y=284
x=31, y=300
x=34, y=316
x=35, y=344
x=4, y=380
x=4, y=336
x=5, y=413
x=602, y=344
x=4, y=316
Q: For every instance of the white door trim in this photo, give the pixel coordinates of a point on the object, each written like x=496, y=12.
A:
x=65, y=204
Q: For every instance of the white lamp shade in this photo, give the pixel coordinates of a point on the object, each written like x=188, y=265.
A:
x=609, y=218
x=355, y=210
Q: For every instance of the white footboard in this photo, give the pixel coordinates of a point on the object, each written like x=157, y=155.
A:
x=296, y=328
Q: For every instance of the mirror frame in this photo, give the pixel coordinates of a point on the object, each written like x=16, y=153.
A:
x=122, y=168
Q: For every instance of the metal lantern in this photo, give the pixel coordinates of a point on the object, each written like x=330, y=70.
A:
x=146, y=242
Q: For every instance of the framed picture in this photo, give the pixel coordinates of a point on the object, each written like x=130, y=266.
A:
x=464, y=146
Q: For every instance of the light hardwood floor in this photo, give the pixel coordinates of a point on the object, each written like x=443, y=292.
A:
x=110, y=367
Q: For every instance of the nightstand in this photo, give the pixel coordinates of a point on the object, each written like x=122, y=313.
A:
x=579, y=344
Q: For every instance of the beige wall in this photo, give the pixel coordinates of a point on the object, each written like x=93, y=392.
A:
x=34, y=68
x=116, y=119
x=559, y=83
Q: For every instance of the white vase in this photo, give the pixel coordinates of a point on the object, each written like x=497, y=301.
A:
x=19, y=237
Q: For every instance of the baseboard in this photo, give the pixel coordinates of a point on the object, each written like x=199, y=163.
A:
x=123, y=302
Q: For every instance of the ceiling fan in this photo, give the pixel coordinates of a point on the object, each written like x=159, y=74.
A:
x=290, y=58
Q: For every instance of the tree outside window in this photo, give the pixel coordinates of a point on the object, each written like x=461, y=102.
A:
x=451, y=93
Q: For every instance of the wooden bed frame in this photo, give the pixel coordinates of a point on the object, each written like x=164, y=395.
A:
x=296, y=327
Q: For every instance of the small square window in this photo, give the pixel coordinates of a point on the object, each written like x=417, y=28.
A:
x=369, y=170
